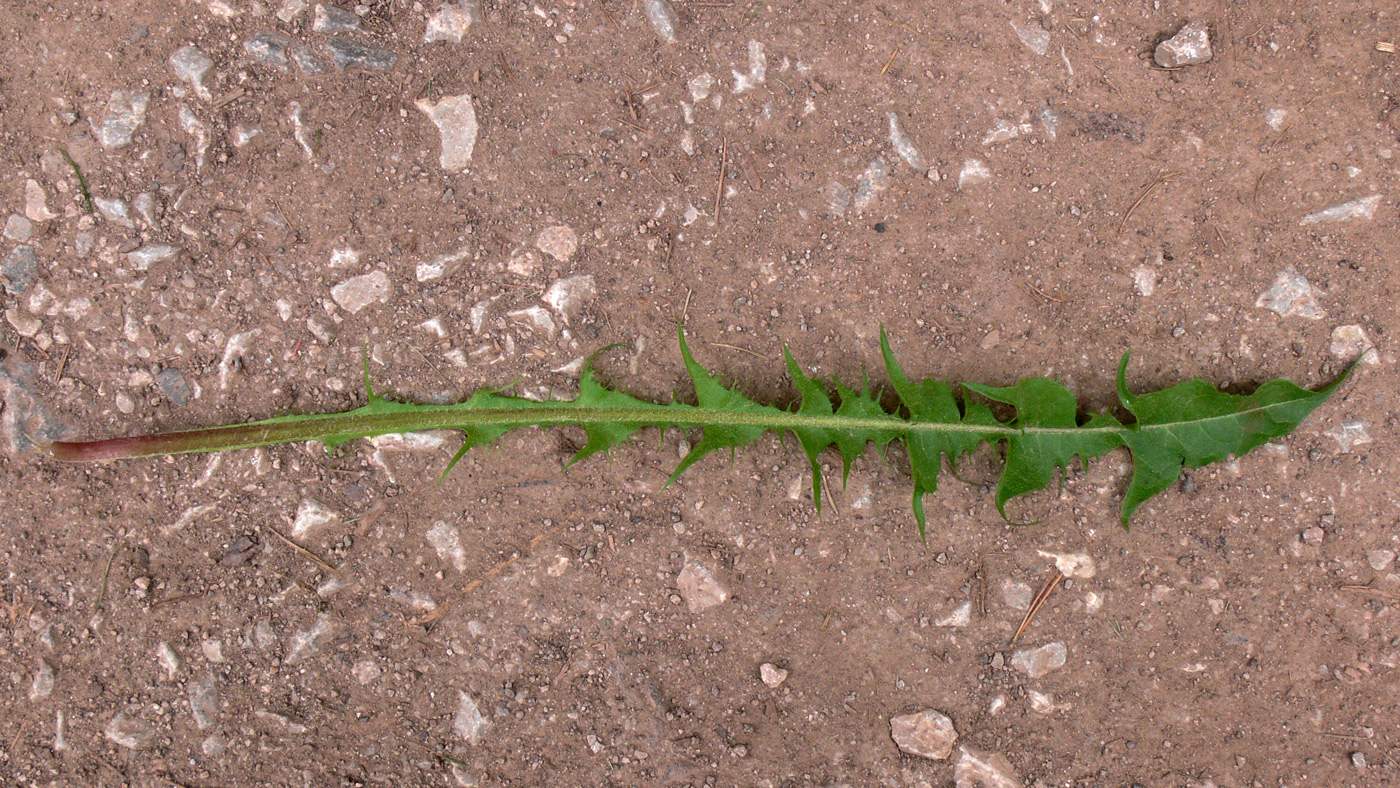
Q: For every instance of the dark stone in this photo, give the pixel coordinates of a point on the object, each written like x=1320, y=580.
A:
x=173, y=386
x=269, y=48
x=18, y=270
x=350, y=56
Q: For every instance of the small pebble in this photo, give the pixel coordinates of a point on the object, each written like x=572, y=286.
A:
x=129, y=731
x=976, y=769
x=452, y=22
x=559, y=242
x=18, y=228
x=1314, y=536
x=663, y=18
x=1291, y=296
x=19, y=268
x=1380, y=560
x=469, y=724
x=772, y=675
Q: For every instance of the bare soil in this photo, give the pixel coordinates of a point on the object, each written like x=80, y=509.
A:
x=159, y=626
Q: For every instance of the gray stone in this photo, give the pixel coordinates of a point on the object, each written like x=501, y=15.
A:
x=927, y=734
x=351, y=56
x=148, y=208
x=307, y=62
x=1189, y=47
x=126, y=111
x=172, y=384
x=359, y=292
x=1036, y=662
x=18, y=269
x=329, y=19
x=18, y=228
x=308, y=642
x=204, y=701
x=269, y=48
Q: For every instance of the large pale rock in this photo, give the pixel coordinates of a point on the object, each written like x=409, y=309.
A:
x=927, y=734
x=455, y=118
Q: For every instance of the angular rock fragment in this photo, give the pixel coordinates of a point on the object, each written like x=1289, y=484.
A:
x=358, y=292
x=329, y=19
x=663, y=18
x=1291, y=296
x=1361, y=208
x=1036, y=662
x=192, y=65
x=455, y=118
x=976, y=769
x=452, y=22
x=352, y=56
x=1189, y=47
x=927, y=734
x=269, y=48
x=18, y=270
x=126, y=111
x=699, y=588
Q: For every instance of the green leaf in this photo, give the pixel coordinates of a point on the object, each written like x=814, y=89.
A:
x=1193, y=424
x=1186, y=426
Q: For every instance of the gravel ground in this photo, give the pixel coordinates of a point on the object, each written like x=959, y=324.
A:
x=214, y=209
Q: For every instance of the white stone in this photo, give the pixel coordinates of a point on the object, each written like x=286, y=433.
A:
x=42, y=685
x=974, y=171
x=195, y=128
x=441, y=266
x=700, y=589
x=469, y=724
x=559, y=242
x=1362, y=208
x=1189, y=47
x=24, y=324
x=192, y=65
x=455, y=118
x=1350, y=343
x=567, y=296
x=1077, y=565
x=976, y=769
x=446, y=540
x=204, y=701
x=143, y=258
x=290, y=9
x=700, y=86
x=366, y=671
x=1145, y=280
x=1016, y=595
x=213, y=650
x=168, y=659
x=36, y=203
x=758, y=69
x=126, y=111
x=535, y=319
x=927, y=734
x=1291, y=296
x=127, y=730
x=903, y=146
x=452, y=22
x=1275, y=118
x=960, y=616
x=663, y=18
x=1349, y=434
x=356, y=293
x=308, y=642
x=1034, y=37
x=238, y=344
x=1036, y=662
x=344, y=258
x=19, y=228
x=1380, y=560
x=114, y=210
x=312, y=515
x=772, y=675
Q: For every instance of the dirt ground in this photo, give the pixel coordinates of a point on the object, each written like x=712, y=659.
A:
x=277, y=201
